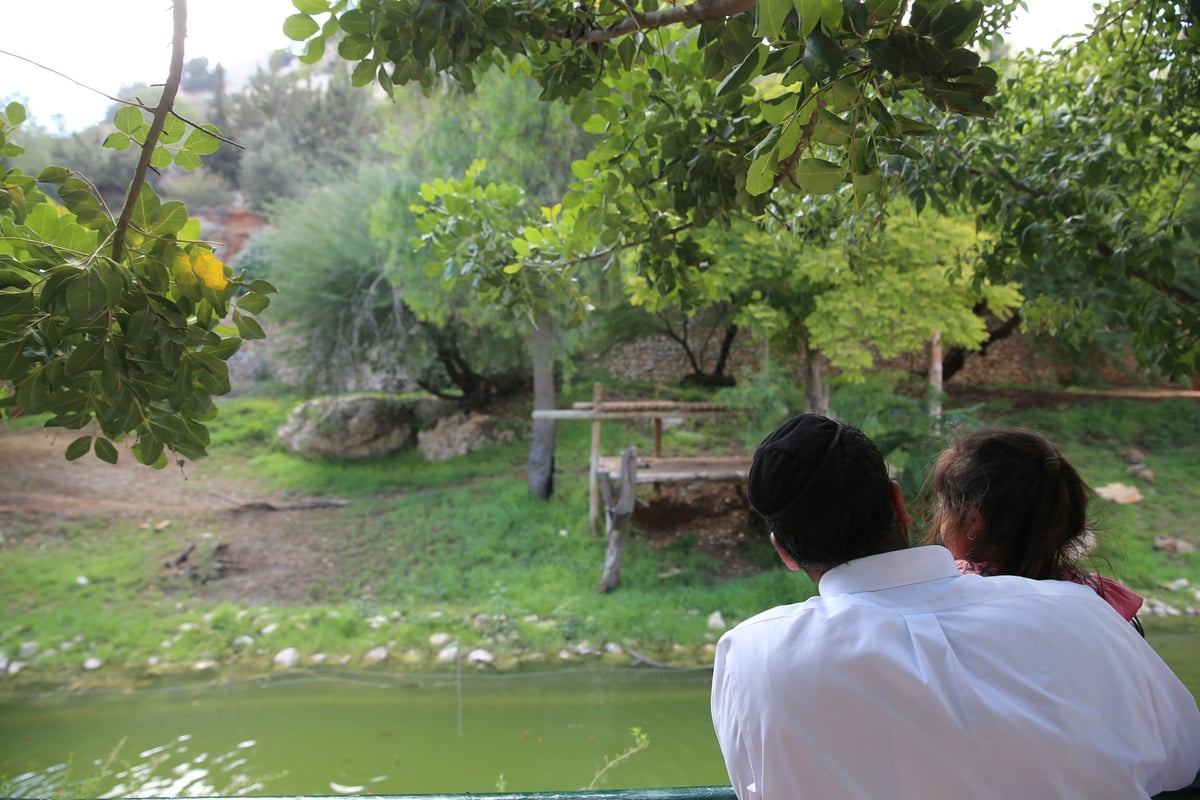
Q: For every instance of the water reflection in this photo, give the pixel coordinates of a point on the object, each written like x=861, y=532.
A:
x=330, y=733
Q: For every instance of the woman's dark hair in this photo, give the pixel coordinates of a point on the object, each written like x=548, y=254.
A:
x=1031, y=504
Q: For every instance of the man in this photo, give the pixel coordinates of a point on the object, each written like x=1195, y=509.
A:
x=906, y=679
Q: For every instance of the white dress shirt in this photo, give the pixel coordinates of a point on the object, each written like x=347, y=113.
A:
x=906, y=679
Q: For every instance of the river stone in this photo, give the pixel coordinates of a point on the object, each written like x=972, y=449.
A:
x=716, y=621
x=439, y=639
x=375, y=654
x=28, y=649
x=349, y=428
x=448, y=653
x=91, y=664
x=480, y=656
x=287, y=657
x=459, y=434
x=15, y=666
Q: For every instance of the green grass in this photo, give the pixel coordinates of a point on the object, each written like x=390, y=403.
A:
x=460, y=547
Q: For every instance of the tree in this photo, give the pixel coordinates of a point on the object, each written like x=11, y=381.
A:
x=530, y=147
x=300, y=130
x=1082, y=179
x=712, y=109
x=843, y=301
x=116, y=325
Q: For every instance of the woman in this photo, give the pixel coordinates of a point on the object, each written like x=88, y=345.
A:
x=1007, y=503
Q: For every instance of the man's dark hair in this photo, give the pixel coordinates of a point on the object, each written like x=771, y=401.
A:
x=823, y=488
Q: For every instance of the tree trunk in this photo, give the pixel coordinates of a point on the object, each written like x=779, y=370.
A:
x=816, y=391
x=936, y=390
x=617, y=514
x=541, y=448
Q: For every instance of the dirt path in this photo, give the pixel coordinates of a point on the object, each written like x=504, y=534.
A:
x=279, y=555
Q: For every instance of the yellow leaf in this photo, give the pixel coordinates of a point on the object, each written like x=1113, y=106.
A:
x=209, y=269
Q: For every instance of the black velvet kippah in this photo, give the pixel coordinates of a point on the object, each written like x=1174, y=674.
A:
x=786, y=462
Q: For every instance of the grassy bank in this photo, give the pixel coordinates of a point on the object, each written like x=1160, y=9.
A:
x=428, y=556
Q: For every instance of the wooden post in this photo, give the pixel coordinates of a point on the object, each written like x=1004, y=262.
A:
x=658, y=437
x=594, y=462
x=617, y=514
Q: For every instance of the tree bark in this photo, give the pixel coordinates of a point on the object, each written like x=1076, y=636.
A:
x=541, y=448
x=816, y=391
x=618, y=512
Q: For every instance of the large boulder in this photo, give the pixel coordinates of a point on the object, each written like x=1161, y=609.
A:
x=350, y=428
x=459, y=434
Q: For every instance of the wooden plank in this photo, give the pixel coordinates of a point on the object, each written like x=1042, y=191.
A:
x=679, y=470
x=606, y=413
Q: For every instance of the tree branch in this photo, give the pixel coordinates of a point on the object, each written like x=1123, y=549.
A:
x=694, y=12
x=165, y=103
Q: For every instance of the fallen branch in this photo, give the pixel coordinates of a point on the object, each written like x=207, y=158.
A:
x=638, y=658
x=265, y=505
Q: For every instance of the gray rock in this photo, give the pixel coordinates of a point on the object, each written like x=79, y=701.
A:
x=459, y=434
x=439, y=639
x=375, y=655
x=349, y=428
x=716, y=621
x=480, y=656
x=287, y=658
x=448, y=653
x=28, y=649
x=91, y=664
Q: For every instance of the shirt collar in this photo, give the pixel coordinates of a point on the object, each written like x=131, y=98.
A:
x=889, y=570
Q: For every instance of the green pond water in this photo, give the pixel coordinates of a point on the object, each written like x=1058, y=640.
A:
x=331, y=732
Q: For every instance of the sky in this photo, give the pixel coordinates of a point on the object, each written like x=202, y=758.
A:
x=107, y=45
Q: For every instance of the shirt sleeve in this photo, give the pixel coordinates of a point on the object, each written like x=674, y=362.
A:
x=726, y=700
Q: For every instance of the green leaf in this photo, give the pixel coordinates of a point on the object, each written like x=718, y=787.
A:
x=170, y=218
x=771, y=16
x=817, y=176
x=253, y=303
x=15, y=113
x=160, y=158
x=353, y=48
x=128, y=119
x=117, y=141
x=810, y=12
x=826, y=50
x=760, y=178
x=314, y=52
x=187, y=160
x=105, y=450
x=299, y=27
x=364, y=73
x=595, y=124
x=744, y=71
x=53, y=175
x=79, y=448
x=831, y=15
x=248, y=327
x=13, y=362
x=173, y=130
x=201, y=141
x=311, y=6
x=86, y=357
x=139, y=326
